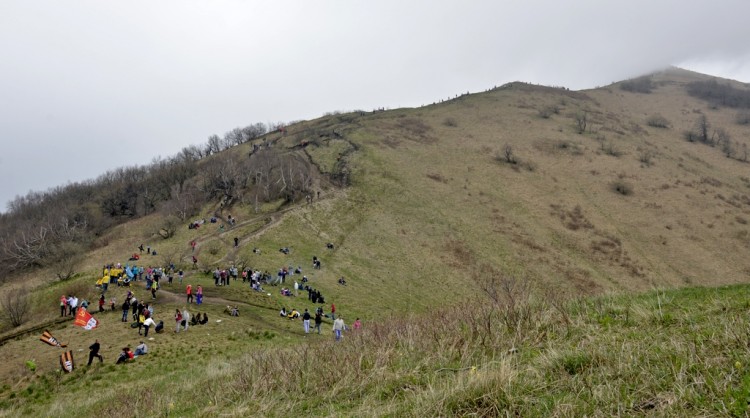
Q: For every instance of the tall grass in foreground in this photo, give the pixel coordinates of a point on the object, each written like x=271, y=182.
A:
x=674, y=353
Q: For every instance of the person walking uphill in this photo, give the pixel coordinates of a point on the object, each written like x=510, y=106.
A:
x=189, y=293
x=94, y=352
x=199, y=295
x=125, y=310
x=318, y=321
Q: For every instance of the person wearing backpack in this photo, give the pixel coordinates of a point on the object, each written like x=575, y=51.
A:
x=318, y=319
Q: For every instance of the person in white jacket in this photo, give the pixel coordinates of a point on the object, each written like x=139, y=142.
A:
x=338, y=327
x=186, y=317
x=148, y=323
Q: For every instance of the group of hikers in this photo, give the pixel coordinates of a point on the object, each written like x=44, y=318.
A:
x=125, y=355
x=142, y=313
x=183, y=319
x=339, y=326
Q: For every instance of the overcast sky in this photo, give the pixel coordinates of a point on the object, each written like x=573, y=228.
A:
x=86, y=86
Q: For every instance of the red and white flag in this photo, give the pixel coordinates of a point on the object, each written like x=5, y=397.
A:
x=85, y=320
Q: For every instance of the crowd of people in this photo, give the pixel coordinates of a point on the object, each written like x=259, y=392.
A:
x=142, y=312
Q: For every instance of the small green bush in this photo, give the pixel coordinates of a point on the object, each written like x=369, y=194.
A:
x=576, y=363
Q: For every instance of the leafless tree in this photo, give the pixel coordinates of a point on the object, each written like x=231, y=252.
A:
x=15, y=306
x=169, y=225
x=65, y=259
x=254, y=131
x=581, y=121
x=702, y=128
x=510, y=158
x=213, y=145
x=233, y=137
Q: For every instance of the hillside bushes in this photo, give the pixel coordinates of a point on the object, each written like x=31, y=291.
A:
x=719, y=94
x=40, y=225
x=657, y=121
x=638, y=85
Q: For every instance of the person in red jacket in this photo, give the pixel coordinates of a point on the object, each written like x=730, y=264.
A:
x=333, y=311
x=189, y=293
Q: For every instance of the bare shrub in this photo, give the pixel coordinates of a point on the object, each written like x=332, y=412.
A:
x=700, y=131
x=658, y=121
x=64, y=259
x=437, y=177
x=529, y=165
x=415, y=126
x=460, y=255
x=638, y=85
x=510, y=295
x=450, y=122
x=573, y=219
x=547, y=111
x=622, y=187
x=169, y=226
x=743, y=118
x=170, y=257
x=646, y=156
x=15, y=306
x=609, y=148
x=581, y=119
x=569, y=146
x=508, y=154
x=719, y=94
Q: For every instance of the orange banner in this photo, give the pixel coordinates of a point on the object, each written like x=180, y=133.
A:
x=66, y=361
x=49, y=339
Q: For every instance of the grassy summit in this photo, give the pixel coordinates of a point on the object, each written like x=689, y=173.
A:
x=469, y=232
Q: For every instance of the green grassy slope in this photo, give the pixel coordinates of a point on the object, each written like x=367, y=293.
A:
x=432, y=211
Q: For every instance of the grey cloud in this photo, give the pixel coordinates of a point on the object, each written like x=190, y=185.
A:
x=91, y=85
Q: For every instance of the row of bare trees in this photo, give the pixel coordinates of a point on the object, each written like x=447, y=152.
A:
x=53, y=228
x=266, y=175
x=705, y=133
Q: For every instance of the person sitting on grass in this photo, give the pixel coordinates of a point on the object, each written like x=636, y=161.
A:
x=204, y=321
x=125, y=355
x=282, y=312
x=294, y=314
x=141, y=349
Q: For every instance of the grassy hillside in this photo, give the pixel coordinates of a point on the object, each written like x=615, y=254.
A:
x=673, y=353
x=425, y=207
